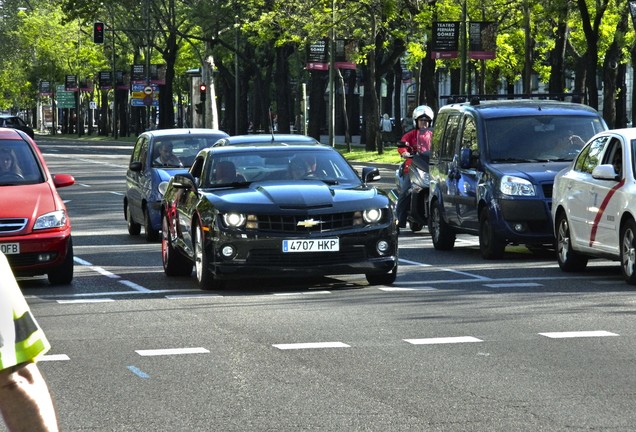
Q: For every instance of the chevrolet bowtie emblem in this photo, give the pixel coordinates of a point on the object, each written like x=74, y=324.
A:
x=308, y=223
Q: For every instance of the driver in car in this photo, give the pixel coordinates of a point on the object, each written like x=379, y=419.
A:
x=166, y=156
x=9, y=163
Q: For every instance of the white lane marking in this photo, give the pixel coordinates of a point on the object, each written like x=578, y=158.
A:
x=311, y=345
x=116, y=193
x=83, y=185
x=81, y=261
x=394, y=289
x=443, y=340
x=302, y=293
x=578, y=334
x=105, y=272
x=138, y=372
x=514, y=285
x=192, y=296
x=54, y=357
x=88, y=300
x=171, y=351
x=135, y=286
x=458, y=272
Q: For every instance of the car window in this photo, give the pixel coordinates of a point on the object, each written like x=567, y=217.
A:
x=447, y=142
x=590, y=156
x=255, y=166
x=185, y=148
x=614, y=155
x=136, y=154
x=558, y=137
x=19, y=163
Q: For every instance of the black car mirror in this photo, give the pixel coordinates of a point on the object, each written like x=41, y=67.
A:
x=135, y=166
x=370, y=174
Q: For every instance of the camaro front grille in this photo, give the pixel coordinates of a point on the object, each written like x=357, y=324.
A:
x=304, y=224
x=12, y=225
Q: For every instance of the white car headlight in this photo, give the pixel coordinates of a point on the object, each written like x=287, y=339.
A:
x=516, y=186
x=372, y=215
x=234, y=220
x=51, y=220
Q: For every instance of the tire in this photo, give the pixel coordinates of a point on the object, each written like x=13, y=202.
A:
x=174, y=263
x=491, y=246
x=205, y=278
x=569, y=260
x=442, y=235
x=134, y=228
x=628, y=252
x=63, y=275
x=152, y=235
x=382, y=279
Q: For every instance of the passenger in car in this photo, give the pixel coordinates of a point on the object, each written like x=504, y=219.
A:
x=617, y=161
x=567, y=142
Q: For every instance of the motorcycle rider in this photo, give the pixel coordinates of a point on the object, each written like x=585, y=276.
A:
x=417, y=140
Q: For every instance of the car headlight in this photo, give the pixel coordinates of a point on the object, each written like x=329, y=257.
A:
x=163, y=186
x=54, y=219
x=234, y=220
x=372, y=215
x=517, y=186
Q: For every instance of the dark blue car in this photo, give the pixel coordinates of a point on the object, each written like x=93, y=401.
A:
x=492, y=169
x=156, y=157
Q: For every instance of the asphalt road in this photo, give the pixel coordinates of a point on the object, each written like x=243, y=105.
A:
x=457, y=344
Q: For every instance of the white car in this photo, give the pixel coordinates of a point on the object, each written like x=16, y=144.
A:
x=594, y=204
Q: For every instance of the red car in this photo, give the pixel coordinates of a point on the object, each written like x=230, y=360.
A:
x=35, y=230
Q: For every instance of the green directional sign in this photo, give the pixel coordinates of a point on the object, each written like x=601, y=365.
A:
x=65, y=99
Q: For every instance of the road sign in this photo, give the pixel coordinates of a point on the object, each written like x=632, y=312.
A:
x=148, y=90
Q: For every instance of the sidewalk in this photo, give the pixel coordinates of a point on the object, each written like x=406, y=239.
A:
x=340, y=140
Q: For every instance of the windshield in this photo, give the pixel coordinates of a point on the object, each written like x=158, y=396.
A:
x=255, y=166
x=18, y=164
x=179, y=151
x=539, y=138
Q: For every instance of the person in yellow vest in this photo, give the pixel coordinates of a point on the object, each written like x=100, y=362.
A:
x=25, y=400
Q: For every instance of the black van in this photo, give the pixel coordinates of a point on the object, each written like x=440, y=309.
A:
x=492, y=168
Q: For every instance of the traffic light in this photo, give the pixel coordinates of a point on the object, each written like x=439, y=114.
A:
x=202, y=90
x=98, y=32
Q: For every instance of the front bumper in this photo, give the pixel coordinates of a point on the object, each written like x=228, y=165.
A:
x=262, y=256
x=39, y=253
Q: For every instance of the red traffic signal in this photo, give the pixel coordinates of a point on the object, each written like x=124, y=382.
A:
x=98, y=32
x=203, y=88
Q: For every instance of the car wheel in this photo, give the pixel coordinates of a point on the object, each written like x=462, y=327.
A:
x=628, y=252
x=568, y=259
x=205, y=278
x=442, y=235
x=382, y=279
x=174, y=263
x=152, y=235
x=63, y=275
x=491, y=246
x=133, y=227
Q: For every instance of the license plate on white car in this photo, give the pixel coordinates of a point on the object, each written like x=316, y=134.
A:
x=10, y=248
x=317, y=245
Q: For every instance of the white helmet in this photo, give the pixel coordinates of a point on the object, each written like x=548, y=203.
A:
x=423, y=111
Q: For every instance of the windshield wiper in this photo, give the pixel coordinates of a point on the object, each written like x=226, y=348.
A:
x=514, y=160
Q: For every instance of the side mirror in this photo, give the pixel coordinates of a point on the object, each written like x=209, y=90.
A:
x=135, y=166
x=370, y=174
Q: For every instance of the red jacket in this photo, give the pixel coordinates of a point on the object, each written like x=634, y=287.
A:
x=418, y=140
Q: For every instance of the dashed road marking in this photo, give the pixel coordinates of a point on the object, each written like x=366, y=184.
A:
x=443, y=340
x=311, y=345
x=578, y=334
x=171, y=351
x=54, y=357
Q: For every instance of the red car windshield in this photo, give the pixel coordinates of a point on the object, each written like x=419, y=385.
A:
x=18, y=164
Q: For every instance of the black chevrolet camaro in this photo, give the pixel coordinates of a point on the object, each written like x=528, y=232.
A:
x=254, y=211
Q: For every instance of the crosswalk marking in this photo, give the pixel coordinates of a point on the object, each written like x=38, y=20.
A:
x=54, y=357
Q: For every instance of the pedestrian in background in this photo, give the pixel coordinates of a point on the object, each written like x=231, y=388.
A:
x=25, y=401
x=386, y=128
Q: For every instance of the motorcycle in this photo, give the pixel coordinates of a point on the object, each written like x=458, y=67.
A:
x=418, y=210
